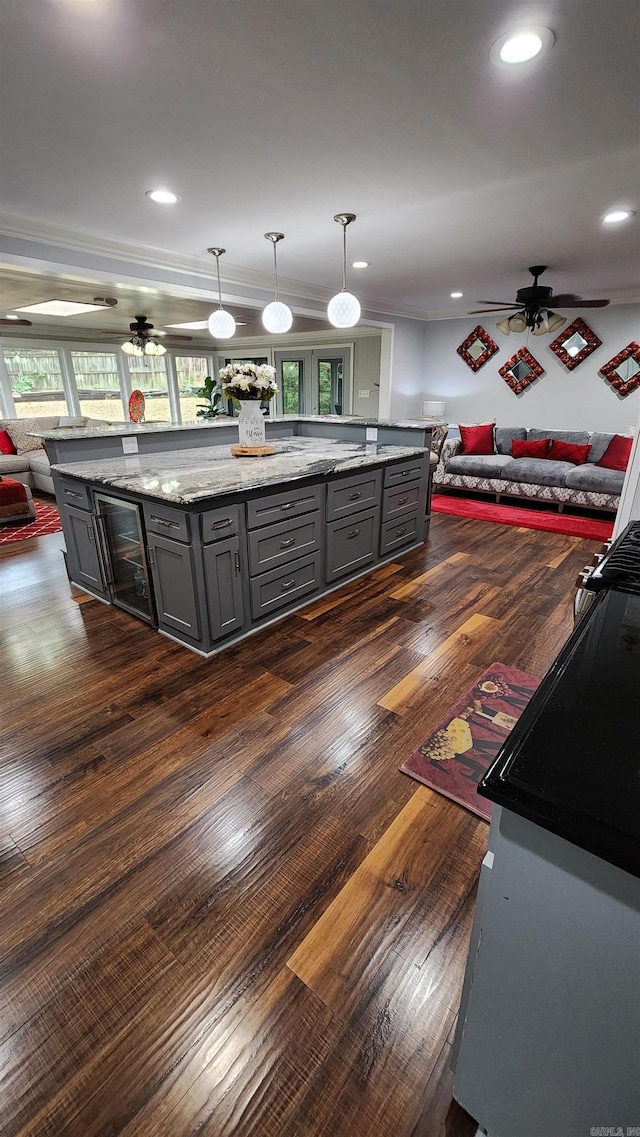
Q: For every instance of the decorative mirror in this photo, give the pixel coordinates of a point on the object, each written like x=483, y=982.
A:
x=623, y=371
x=575, y=343
x=477, y=349
x=520, y=371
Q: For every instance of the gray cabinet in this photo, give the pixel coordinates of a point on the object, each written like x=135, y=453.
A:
x=223, y=586
x=174, y=585
x=283, y=542
x=285, y=586
x=352, y=544
x=351, y=495
x=84, y=562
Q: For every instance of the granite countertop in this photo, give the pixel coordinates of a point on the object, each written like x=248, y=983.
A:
x=572, y=762
x=124, y=428
x=194, y=475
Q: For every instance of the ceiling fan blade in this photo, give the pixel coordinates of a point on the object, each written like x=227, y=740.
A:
x=500, y=303
x=5, y=322
x=168, y=338
x=484, y=311
x=576, y=302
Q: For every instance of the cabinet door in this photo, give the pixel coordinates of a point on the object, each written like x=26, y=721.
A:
x=224, y=587
x=84, y=558
x=174, y=585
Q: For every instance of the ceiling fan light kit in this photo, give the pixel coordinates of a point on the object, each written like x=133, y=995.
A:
x=142, y=342
x=221, y=323
x=277, y=318
x=343, y=310
x=532, y=309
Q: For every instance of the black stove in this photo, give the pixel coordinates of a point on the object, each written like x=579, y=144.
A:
x=620, y=567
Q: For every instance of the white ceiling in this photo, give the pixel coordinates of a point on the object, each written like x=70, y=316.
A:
x=276, y=114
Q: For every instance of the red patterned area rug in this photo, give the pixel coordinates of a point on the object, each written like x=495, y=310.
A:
x=47, y=520
x=459, y=751
x=591, y=528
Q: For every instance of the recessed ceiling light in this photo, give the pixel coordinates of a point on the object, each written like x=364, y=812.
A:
x=163, y=196
x=520, y=47
x=456, y=295
x=361, y=264
x=61, y=308
x=617, y=216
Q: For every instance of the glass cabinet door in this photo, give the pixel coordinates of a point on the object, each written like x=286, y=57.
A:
x=122, y=539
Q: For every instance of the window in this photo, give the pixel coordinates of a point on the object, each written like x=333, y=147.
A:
x=149, y=375
x=291, y=383
x=36, y=381
x=98, y=384
x=191, y=371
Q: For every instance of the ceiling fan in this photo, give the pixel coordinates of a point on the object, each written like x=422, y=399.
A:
x=143, y=339
x=14, y=322
x=531, y=307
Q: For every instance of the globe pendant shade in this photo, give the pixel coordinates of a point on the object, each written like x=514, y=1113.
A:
x=344, y=310
x=277, y=317
x=221, y=324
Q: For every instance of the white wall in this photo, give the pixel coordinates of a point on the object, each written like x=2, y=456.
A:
x=559, y=399
x=407, y=367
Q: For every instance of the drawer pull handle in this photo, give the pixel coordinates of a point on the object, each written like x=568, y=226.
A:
x=221, y=524
x=165, y=524
x=401, y=532
x=287, y=505
x=236, y=560
x=355, y=496
x=287, y=585
x=353, y=533
x=402, y=500
x=72, y=493
x=288, y=544
x=405, y=473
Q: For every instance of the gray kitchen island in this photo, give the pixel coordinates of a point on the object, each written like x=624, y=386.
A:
x=210, y=548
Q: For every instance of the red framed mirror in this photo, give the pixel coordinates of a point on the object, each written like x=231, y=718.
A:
x=477, y=349
x=623, y=371
x=575, y=343
x=521, y=371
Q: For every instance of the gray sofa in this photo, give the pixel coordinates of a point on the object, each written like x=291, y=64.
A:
x=535, y=479
x=32, y=467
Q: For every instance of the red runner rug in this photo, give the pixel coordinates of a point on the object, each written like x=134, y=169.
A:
x=47, y=520
x=591, y=528
x=460, y=749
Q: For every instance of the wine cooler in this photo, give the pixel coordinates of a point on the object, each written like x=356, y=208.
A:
x=121, y=542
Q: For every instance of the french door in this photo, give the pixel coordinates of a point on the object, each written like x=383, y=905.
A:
x=313, y=382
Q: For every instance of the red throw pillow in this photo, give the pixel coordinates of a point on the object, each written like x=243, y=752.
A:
x=617, y=454
x=568, y=452
x=537, y=448
x=477, y=439
x=6, y=444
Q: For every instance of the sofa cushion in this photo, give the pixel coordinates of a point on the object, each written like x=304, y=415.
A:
x=568, y=452
x=12, y=463
x=72, y=420
x=19, y=430
x=477, y=439
x=478, y=465
x=617, y=454
x=599, y=443
x=505, y=435
x=6, y=443
x=581, y=437
x=537, y=471
x=38, y=461
x=596, y=479
x=530, y=448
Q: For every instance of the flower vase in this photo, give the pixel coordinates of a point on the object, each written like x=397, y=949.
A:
x=251, y=423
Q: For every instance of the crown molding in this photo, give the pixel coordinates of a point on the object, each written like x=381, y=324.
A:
x=21, y=228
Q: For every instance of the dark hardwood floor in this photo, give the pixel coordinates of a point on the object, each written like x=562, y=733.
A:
x=224, y=910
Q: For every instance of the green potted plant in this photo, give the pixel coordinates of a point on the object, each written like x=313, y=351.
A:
x=212, y=392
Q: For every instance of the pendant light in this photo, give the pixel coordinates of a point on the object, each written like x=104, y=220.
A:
x=221, y=324
x=344, y=309
x=276, y=317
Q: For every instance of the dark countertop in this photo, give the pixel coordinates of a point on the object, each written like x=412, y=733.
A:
x=572, y=762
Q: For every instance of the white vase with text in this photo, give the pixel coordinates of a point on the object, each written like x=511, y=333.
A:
x=251, y=423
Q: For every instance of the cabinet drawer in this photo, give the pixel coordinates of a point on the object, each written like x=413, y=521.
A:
x=286, y=541
x=220, y=523
x=302, y=499
x=404, y=499
x=170, y=522
x=284, y=585
x=352, y=495
x=352, y=543
x=74, y=493
x=404, y=531
x=410, y=471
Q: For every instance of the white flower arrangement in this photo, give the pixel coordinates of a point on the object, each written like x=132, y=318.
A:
x=248, y=381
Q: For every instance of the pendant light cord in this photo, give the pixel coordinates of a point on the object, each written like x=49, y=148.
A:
x=275, y=269
x=344, y=257
x=219, y=287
